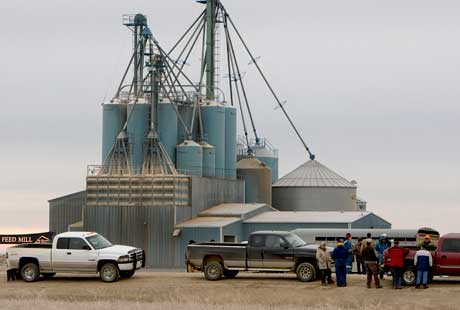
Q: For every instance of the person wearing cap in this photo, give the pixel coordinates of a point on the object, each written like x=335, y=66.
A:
x=324, y=264
x=349, y=246
x=369, y=255
x=380, y=247
x=427, y=243
x=396, y=255
x=340, y=256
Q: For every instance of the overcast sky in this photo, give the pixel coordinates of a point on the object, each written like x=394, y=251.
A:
x=372, y=85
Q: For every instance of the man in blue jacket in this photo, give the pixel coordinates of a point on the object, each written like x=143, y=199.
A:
x=340, y=256
x=423, y=262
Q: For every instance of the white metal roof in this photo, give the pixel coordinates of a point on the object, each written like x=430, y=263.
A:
x=313, y=174
x=307, y=217
x=233, y=209
x=208, y=221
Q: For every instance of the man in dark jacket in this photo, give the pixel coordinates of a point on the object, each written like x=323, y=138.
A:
x=397, y=255
x=340, y=256
x=369, y=256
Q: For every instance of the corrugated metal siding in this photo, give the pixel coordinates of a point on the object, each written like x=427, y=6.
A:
x=149, y=228
x=208, y=192
x=371, y=221
x=314, y=199
x=235, y=229
x=248, y=228
x=64, y=211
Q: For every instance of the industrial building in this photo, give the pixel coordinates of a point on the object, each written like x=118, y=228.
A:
x=173, y=170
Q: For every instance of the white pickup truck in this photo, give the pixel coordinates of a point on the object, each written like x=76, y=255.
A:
x=75, y=252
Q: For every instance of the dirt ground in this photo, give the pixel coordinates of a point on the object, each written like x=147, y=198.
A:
x=180, y=290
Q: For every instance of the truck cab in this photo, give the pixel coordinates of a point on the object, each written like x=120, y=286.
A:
x=75, y=252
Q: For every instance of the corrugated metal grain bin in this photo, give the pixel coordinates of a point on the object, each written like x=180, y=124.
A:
x=167, y=127
x=258, y=180
x=113, y=120
x=209, y=160
x=213, y=116
x=138, y=127
x=230, y=142
x=190, y=158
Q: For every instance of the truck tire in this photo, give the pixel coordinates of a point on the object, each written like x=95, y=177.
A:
x=48, y=275
x=213, y=271
x=306, y=272
x=127, y=274
x=30, y=272
x=109, y=272
x=230, y=274
x=409, y=276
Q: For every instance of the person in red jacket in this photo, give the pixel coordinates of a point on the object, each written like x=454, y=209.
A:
x=397, y=255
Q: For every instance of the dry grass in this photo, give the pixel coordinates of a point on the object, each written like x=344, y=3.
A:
x=167, y=290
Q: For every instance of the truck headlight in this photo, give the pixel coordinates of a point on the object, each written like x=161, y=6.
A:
x=123, y=259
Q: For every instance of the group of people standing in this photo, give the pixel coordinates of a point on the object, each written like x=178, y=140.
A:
x=370, y=259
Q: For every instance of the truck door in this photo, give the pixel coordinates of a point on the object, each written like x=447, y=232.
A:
x=277, y=253
x=448, y=257
x=74, y=254
x=255, y=250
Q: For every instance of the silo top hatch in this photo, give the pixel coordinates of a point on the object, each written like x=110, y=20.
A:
x=313, y=174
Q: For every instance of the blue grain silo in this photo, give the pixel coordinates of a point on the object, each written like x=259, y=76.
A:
x=189, y=158
x=209, y=160
x=230, y=142
x=167, y=127
x=138, y=127
x=113, y=120
x=213, y=118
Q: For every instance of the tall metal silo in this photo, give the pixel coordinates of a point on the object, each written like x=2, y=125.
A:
x=257, y=177
x=138, y=128
x=167, y=127
x=213, y=118
x=113, y=120
x=209, y=160
x=230, y=142
x=189, y=158
x=266, y=153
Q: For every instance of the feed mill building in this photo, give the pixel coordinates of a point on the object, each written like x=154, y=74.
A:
x=173, y=171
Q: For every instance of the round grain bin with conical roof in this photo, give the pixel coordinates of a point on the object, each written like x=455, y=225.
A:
x=209, y=159
x=314, y=187
x=189, y=158
x=257, y=178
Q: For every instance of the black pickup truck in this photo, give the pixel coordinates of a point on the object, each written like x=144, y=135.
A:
x=272, y=251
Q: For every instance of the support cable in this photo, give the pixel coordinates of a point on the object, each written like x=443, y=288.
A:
x=312, y=156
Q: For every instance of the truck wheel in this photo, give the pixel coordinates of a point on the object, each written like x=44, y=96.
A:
x=230, y=274
x=48, y=275
x=409, y=276
x=109, y=272
x=127, y=274
x=306, y=272
x=213, y=271
x=30, y=272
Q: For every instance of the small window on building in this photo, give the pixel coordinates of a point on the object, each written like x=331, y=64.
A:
x=229, y=238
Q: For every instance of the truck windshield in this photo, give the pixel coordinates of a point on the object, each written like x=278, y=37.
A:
x=294, y=240
x=98, y=242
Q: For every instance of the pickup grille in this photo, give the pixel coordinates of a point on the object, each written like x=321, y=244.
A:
x=136, y=255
